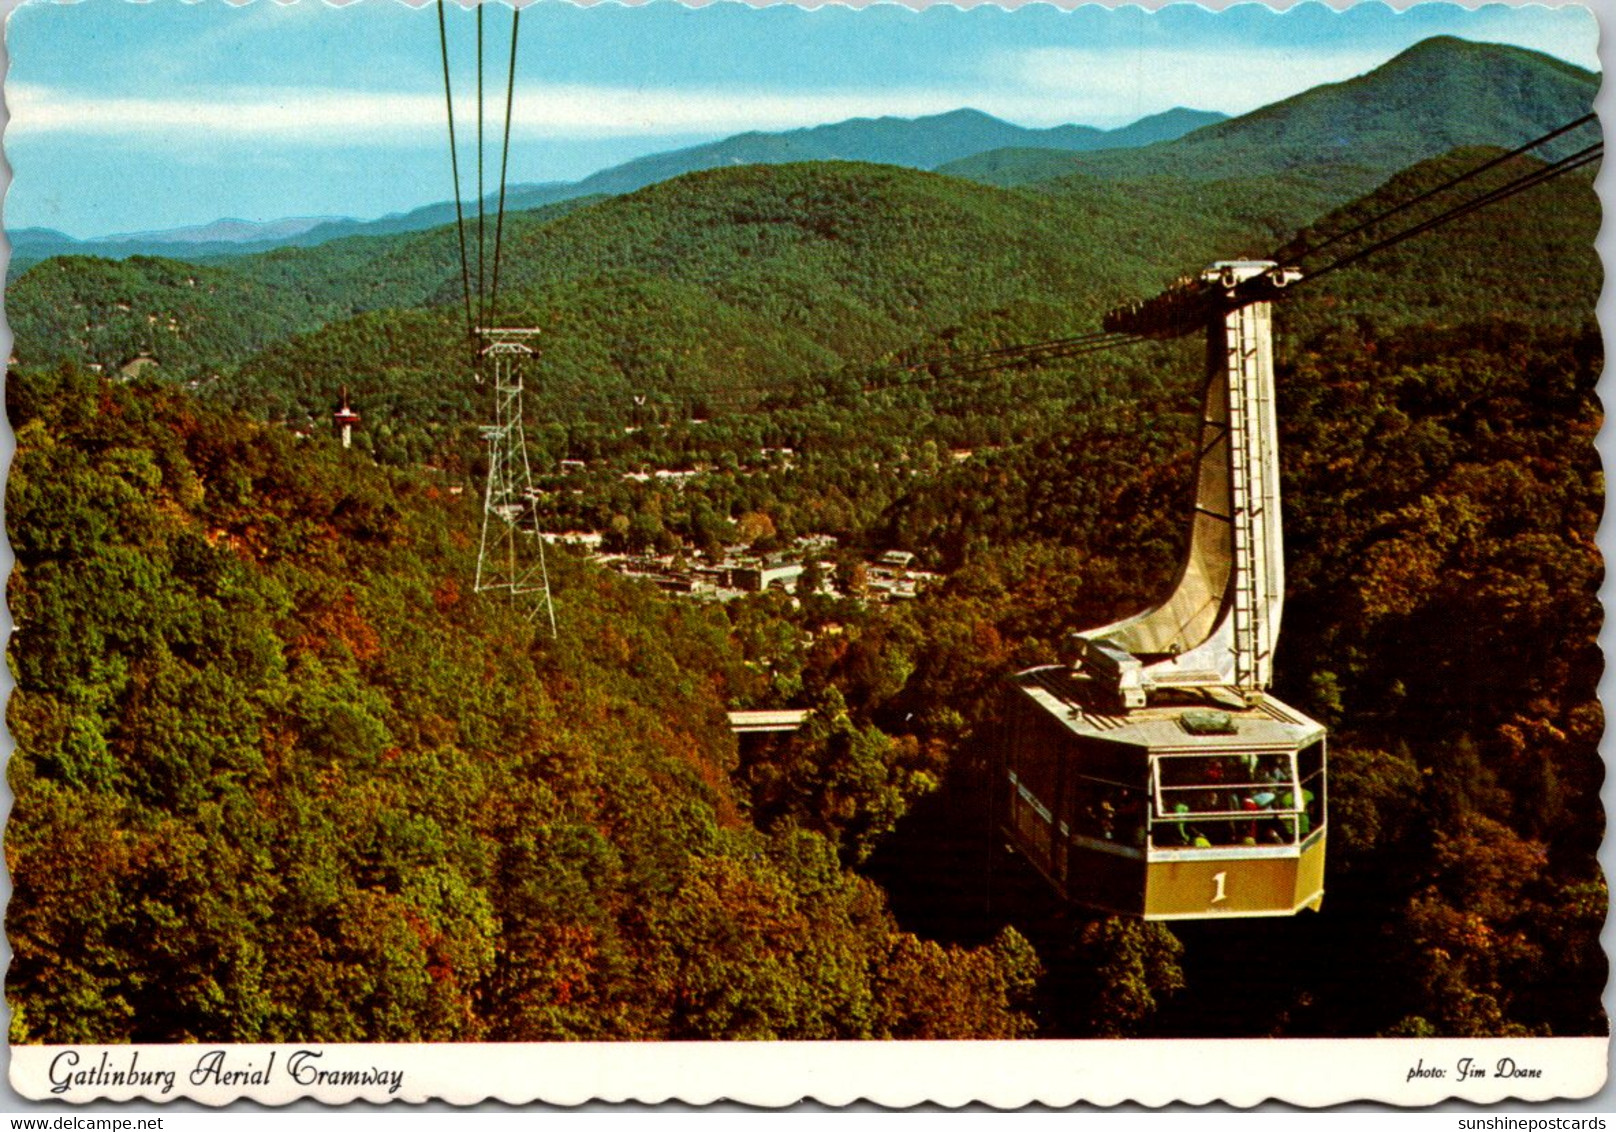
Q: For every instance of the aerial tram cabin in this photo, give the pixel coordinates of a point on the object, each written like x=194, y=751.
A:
x=1155, y=775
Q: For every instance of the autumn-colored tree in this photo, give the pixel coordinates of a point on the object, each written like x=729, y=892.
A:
x=1134, y=968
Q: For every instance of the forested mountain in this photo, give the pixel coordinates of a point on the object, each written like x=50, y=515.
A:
x=915, y=143
x=222, y=237
x=31, y=245
x=1529, y=258
x=104, y=312
x=794, y=238
x=807, y=265
x=189, y=318
x=1440, y=94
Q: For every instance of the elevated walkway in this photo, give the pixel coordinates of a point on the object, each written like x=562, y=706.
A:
x=752, y=722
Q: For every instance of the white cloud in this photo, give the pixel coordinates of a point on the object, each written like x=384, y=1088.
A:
x=287, y=113
x=1100, y=86
x=1572, y=33
x=1114, y=84
x=1108, y=86
x=357, y=118
x=603, y=111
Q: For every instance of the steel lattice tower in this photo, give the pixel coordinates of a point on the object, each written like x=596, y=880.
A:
x=510, y=556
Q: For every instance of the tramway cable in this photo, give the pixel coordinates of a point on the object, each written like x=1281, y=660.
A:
x=504, y=164
x=1293, y=258
x=1060, y=349
x=482, y=315
x=1152, y=773
x=1013, y=357
x=454, y=166
x=511, y=554
x=481, y=300
x=1519, y=185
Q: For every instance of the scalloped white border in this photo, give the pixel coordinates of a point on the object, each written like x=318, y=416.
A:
x=1310, y=1073
x=1307, y=1072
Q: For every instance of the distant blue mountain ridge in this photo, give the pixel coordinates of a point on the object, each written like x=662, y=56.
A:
x=915, y=143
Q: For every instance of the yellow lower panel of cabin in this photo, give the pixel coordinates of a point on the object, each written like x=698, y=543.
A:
x=1263, y=886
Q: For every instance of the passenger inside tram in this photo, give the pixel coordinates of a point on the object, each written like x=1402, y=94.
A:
x=1202, y=801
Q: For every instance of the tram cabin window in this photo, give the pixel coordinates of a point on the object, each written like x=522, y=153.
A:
x=1106, y=811
x=1310, y=769
x=1201, y=801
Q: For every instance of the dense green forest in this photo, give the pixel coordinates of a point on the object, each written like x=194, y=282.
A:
x=1441, y=497
x=280, y=774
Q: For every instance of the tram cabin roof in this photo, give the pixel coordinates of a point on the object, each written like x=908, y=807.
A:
x=1175, y=722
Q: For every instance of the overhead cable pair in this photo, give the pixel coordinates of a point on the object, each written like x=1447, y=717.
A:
x=487, y=297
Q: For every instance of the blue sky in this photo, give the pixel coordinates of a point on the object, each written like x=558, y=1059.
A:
x=129, y=117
